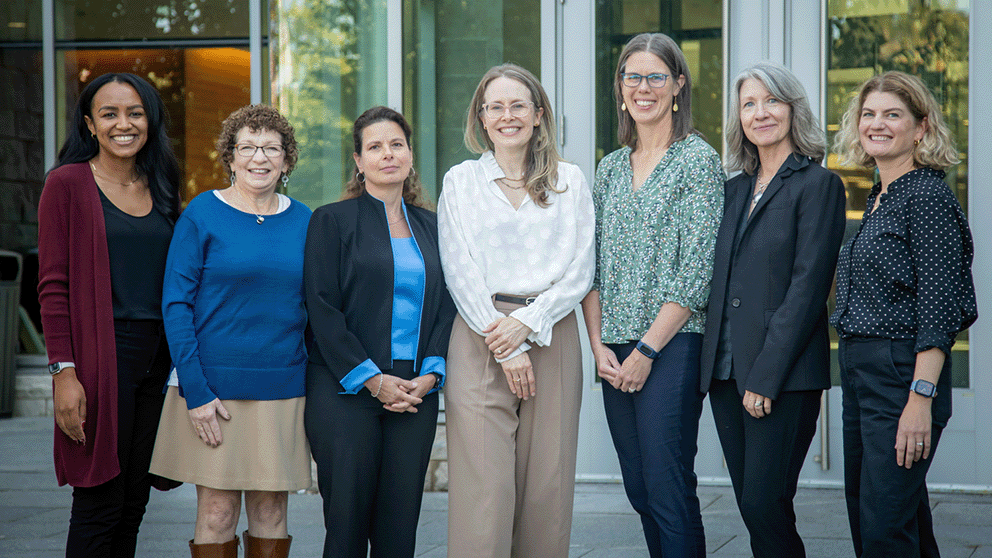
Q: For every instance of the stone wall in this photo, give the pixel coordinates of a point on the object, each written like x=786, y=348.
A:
x=22, y=157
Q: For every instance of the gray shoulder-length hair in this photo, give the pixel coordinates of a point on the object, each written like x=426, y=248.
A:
x=804, y=129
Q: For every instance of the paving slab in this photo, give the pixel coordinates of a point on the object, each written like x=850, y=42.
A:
x=34, y=514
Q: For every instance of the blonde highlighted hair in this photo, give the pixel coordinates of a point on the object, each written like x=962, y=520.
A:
x=541, y=166
x=935, y=150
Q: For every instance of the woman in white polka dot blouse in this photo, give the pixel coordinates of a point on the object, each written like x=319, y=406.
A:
x=904, y=290
x=516, y=239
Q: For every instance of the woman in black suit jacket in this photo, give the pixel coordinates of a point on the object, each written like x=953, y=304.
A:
x=766, y=343
x=380, y=318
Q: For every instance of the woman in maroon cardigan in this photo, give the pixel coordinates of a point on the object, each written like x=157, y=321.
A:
x=105, y=222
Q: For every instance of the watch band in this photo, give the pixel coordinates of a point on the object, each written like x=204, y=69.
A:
x=57, y=367
x=646, y=350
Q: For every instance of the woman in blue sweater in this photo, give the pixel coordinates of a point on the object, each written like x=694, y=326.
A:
x=234, y=318
x=381, y=317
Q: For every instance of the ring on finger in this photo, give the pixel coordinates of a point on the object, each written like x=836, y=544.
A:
x=919, y=443
x=516, y=379
x=758, y=404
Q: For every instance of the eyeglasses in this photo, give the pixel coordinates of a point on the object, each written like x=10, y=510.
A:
x=248, y=150
x=654, y=80
x=517, y=110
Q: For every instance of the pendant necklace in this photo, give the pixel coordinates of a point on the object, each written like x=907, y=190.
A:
x=258, y=216
x=124, y=184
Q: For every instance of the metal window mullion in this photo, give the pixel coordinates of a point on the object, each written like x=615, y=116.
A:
x=255, y=49
x=48, y=78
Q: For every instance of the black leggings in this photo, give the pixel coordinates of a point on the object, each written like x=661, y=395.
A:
x=105, y=518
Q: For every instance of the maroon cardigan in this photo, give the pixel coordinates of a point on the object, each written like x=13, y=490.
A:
x=77, y=315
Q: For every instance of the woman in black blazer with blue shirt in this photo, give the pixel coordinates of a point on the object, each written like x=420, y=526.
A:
x=765, y=355
x=380, y=318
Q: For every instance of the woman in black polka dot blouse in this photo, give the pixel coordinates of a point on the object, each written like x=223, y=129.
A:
x=904, y=290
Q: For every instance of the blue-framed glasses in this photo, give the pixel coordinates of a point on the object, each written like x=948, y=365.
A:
x=654, y=80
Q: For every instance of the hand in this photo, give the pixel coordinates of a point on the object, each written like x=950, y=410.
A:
x=421, y=385
x=633, y=373
x=395, y=393
x=607, y=365
x=756, y=405
x=913, y=435
x=520, y=376
x=70, y=405
x=204, y=419
x=505, y=335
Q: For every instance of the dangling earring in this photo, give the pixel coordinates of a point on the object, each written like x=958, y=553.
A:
x=285, y=179
x=623, y=107
x=675, y=104
x=413, y=172
x=232, y=178
x=361, y=177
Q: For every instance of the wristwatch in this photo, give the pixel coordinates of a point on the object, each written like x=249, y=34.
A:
x=646, y=350
x=56, y=367
x=924, y=388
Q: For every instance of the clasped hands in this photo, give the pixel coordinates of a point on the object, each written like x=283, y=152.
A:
x=399, y=395
x=504, y=336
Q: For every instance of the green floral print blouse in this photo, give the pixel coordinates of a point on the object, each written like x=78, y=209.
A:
x=656, y=245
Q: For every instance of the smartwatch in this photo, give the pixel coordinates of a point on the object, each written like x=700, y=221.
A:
x=57, y=367
x=924, y=388
x=646, y=350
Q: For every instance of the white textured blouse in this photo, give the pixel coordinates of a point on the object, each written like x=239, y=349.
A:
x=488, y=247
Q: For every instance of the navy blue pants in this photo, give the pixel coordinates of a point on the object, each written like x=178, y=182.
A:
x=105, y=518
x=887, y=505
x=654, y=431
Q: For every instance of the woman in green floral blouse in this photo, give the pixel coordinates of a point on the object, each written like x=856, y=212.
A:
x=658, y=202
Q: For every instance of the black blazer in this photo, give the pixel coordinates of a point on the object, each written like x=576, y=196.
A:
x=775, y=282
x=348, y=280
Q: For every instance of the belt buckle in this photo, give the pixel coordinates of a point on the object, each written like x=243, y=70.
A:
x=528, y=300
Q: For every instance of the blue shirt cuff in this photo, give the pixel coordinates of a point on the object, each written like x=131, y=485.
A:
x=434, y=364
x=355, y=380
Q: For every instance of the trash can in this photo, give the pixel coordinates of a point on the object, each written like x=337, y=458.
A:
x=10, y=300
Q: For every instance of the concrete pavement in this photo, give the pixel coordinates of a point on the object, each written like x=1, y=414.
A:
x=34, y=515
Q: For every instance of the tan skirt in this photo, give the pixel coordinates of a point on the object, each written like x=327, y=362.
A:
x=264, y=446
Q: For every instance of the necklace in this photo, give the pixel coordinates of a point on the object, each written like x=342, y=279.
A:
x=124, y=184
x=258, y=216
x=760, y=191
x=504, y=181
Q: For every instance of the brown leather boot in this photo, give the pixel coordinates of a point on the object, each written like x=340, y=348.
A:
x=257, y=547
x=215, y=550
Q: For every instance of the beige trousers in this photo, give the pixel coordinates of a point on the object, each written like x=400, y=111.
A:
x=511, y=463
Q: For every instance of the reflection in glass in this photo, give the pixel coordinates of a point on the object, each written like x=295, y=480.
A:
x=926, y=39
x=20, y=21
x=696, y=25
x=328, y=65
x=149, y=19
x=200, y=88
x=448, y=45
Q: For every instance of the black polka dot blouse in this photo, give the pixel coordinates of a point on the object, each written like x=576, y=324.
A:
x=906, y=273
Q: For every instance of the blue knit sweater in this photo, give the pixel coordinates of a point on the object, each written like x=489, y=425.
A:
x=233, y=302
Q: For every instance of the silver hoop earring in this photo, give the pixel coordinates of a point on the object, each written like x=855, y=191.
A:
x=285, y=179
x=361, y=177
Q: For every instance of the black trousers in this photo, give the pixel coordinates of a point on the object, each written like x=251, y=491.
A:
x=887, y=505
x=764, y=457
x=105, y=518
x=371, y=465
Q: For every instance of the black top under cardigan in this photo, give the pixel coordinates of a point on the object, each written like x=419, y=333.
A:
x=348, y=279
